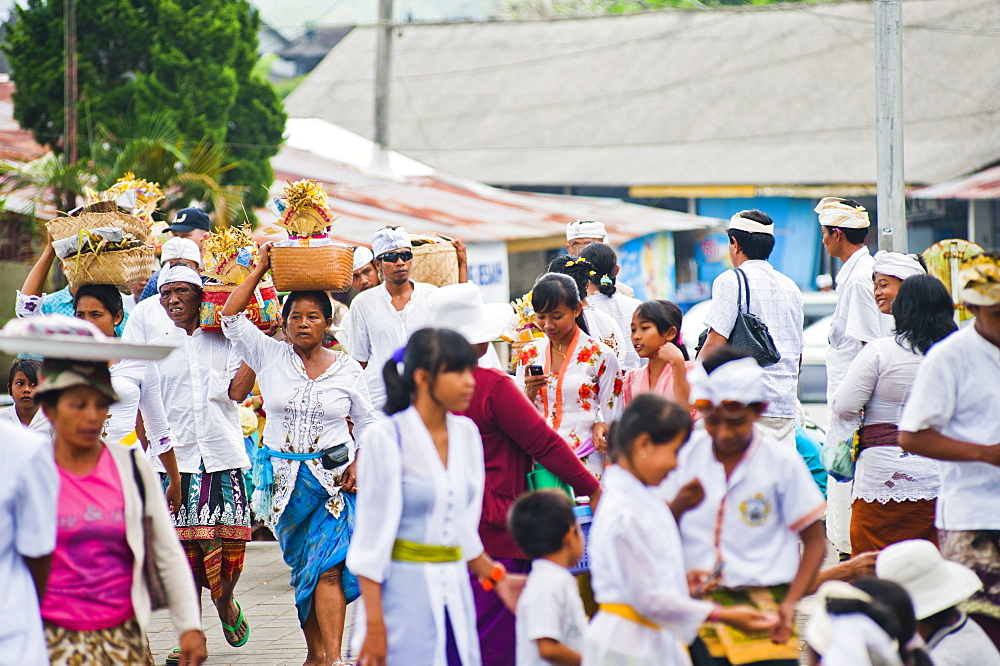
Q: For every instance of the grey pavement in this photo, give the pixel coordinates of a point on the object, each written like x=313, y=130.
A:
x=269, y=605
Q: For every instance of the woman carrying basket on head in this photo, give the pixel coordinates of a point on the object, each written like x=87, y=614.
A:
x=305, y=490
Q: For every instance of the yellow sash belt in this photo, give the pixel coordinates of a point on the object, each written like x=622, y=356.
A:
x=629, y=613
x=409, y=551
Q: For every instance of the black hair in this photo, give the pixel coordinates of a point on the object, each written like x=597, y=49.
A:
x=435, y=350
x=890, y=608
x=664, y=315
x=604, y=259
x=539, y=522
x=647, y=413
x=321, y=298
x=754, y=246
x=28, y=366
x=923, y=312
x=722, y=355
x=577, y=268
x=108, y=295
x=555, y=289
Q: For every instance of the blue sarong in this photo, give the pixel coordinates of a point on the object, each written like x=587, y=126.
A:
x=313, y=541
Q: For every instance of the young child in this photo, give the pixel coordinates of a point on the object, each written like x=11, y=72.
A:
x=656, y=329
x=646, y=616
x=550, y=615
x=760, y=501
x=25, y=411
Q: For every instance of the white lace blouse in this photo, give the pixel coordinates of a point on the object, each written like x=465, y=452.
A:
x=879, y=380
x=303, y=415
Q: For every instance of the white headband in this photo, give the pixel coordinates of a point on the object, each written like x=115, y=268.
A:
x=750, y=226
x=833, y=212
x=180, y=248
x=584, y=229
x=179, y=273
x=389, y=239
x=897, y=264
x=741, y=380
x=362, y=256
x=980, y=283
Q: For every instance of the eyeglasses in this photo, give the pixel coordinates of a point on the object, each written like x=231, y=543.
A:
x=393, y=257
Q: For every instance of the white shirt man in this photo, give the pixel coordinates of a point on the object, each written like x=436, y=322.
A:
x=382, y=318
x=856, y=321
x=777, y=301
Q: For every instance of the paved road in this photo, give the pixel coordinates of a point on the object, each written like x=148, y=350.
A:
x=267, y=600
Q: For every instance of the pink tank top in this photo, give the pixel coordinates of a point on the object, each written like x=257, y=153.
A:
x=90, y=585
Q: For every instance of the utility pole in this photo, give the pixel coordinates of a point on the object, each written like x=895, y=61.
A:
x=70, y=95
x=383, y=68
x=889, y=125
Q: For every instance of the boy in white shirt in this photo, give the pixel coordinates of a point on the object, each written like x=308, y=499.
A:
x=550, y=615
x=741, y=543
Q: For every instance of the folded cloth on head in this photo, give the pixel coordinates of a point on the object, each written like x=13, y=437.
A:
x=979, y=280
x=750, y=226
x=388, y=239
x=897, y=264
x=362, y=256
x=741, y=380
x=585, y=229
x=178, y=273
x=180, y=248
x=833, y=212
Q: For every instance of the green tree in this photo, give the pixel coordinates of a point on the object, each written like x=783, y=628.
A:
x=188, y=60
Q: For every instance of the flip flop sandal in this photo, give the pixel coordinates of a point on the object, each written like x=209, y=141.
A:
x=241, y=622
x=174, y=658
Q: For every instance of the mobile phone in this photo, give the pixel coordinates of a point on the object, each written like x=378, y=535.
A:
x=536, y=370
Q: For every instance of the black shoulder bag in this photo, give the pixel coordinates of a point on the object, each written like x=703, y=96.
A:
x=749, y=333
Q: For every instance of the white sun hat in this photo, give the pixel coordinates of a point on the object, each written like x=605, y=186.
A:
x=932, y=582
x=460, y=307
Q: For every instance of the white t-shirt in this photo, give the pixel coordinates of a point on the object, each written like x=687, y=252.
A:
x=27, y=529
x=778, y=302
x=549, y=607
x=621, y=308
x=147, y=321
x=963, y=644
x=606, y=330
x=375, y=330
x=754, y=516
x=957, y=393
x=39, y=423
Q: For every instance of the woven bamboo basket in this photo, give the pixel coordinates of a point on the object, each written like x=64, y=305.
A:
x=119, y=267
x=435, y=263
x=65, y=227
x=323, y=268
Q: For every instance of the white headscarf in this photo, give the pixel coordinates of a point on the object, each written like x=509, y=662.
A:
x=585, y=229
x=750, y=226
x=833, y=212
x=388, y=239
x=980, y=281
x=362, y=256
x=741, y=380
x=868, y=645
x=179, y=273
x=897, y=264
x=180, y=248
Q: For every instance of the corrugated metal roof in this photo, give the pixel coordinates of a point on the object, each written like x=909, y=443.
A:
x=431, y=202
x=982, y=185
x=773, y=95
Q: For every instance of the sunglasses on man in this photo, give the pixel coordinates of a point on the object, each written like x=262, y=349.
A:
x=393, y=257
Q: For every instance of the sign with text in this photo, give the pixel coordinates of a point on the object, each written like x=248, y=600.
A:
x=489, y=269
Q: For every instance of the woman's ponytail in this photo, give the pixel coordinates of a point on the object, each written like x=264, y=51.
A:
x=398, y=391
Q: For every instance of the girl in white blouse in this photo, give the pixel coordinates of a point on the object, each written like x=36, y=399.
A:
x=580, y=386
x=646, y=615
x=894, y=492
x=420, y=493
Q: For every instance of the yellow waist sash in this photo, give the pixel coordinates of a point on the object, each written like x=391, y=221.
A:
x=409, y=551
x=629, y=613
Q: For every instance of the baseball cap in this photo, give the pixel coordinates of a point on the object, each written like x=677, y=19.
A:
x=189, y=219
